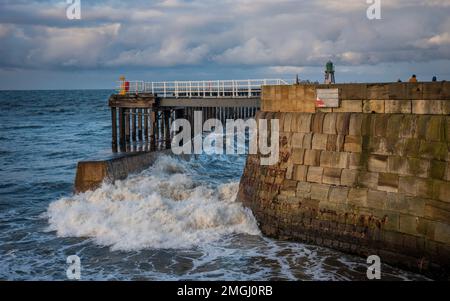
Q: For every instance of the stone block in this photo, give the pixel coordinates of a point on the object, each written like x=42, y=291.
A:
x=320, y=192
x=348, y=106
x=338, y=194
x=314, y=174
x=317, y=122
x=304, y=122
x=398, y=165
x=408, y=224
x=433, y=150
x=303, y=190
x=349, y=177
x=343, y=123
x=358, y=196
x=394, y=124
x=388, y=182
x=297, y=140
x=354, y=161
x=420, y=106
x=298, y=155
x=319, y=141
x=300, y=172
x=368, y=179
x=307, y=140
x=287, y=122
x=408, y=128
x=377, y=91
x=312, y=157
x=398, y=106
x=353, y=91
x=329, y=124
x=376, y=199
x=441, y=190
x=437, y=211
x=438, y=169
x=377, y=163
x=435, y=129
x=417, y=167
x=425, y=188
x=407, y=185
x=373, y=106
x=356, y=124
x=332, y=176
x=353, y=144
x=442, y=232
x=335, y=143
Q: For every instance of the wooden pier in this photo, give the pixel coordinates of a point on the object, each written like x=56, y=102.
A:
x=142, y=121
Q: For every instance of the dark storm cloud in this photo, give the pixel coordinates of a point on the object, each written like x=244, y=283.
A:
x=277, y=35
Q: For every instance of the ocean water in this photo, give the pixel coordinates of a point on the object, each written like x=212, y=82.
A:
x=177, y=220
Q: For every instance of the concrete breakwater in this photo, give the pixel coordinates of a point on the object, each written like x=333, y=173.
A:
x=370, y=176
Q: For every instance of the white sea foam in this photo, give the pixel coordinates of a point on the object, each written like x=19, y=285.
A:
x=162, y=207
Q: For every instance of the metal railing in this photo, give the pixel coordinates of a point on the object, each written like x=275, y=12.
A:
x=202, y=89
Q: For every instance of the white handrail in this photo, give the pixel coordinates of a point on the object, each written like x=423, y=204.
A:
x=203, y=89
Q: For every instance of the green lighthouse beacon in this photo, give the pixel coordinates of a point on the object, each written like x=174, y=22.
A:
x=329, y=73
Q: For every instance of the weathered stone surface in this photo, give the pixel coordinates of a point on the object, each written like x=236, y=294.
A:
x=312, y=157
x=319, y=141
x=349, y=177
x=373, y=106
x=388, y=182
x=332, y=176
x=398, y=106
x=314, y=174
x=353, y=144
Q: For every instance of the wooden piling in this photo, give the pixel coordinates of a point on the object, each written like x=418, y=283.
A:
x=139, y=112
x=114, y=128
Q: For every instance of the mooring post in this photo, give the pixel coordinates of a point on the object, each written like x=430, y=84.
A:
x=167, y=128
x=127, y=125
x=139, y=112
x=114, y=129
x=146, y=112
x=133, y=123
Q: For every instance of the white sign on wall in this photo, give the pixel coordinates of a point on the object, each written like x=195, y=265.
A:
x=327, y=98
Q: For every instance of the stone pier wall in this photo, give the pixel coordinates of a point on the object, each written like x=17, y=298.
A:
x=369, y=177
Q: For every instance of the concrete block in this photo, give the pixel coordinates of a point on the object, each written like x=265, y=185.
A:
x=373, y=106
x=332, y=176
x=353, y=144
x=312, y=157
x=319, y=141
x=388, y=182
x=349, y=177
x=315, y=174
x=398, y=106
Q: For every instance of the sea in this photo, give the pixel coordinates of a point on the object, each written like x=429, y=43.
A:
x=177, y=220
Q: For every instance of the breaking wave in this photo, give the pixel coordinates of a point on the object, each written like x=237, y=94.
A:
x=163, y=207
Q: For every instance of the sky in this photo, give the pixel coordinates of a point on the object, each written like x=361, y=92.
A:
x=162, y=40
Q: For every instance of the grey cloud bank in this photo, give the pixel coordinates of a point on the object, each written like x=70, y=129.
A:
x=199, y=39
